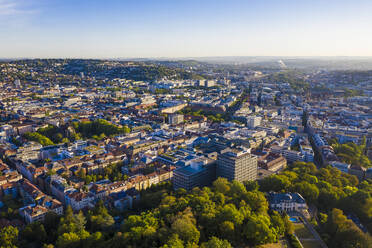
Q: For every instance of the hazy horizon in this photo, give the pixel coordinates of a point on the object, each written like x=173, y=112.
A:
x=184, y=29
x=325, y=57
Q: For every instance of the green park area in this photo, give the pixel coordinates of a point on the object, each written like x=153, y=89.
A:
x=305, y=236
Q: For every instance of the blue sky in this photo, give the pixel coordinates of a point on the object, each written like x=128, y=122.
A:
x=184, y=28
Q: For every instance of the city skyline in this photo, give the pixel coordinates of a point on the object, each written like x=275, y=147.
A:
x=173, y=29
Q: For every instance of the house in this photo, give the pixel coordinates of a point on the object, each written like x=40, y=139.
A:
x=121, y=200
x=119, y=186
x=59, y=188
x=80, y=200
x=287, y=202
x=341, y=166
x=99, y=191
x=134, y=194
x=29, y=192
x=51, y=204
x=10, y=188
x=124, y=203
x=33, y=213
x=272, y=162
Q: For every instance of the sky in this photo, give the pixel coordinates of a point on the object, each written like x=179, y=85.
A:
x=184, y=28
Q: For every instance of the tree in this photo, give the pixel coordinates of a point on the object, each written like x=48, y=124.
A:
x=278, y=223
x=221, y=185
x=186, y=230
x=289, y=228
x=126, y=129
x=258, y=231
x=44, y=141
x=230, y=213
x=275, y=183
x=34, y=232
x=174, y=242
x=80, y=221
x=51, y=172
x=307, y=190
x=9, y=237
x=140, y=229
x=101, y=219
x=72, y=223
x=216, y=243
x=51, y=223
x=68, y=240
x=344, y=233
x=227, y=230
x=257, y=201
x=48, y=246
x=94, y=240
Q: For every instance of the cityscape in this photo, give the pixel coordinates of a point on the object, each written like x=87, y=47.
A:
x=181, y=150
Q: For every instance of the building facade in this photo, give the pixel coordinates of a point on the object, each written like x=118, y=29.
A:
x=287, y=202
x=237, y=165
x=194, y=175
x=175, y=119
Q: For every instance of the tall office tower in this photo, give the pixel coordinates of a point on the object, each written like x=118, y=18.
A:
x=17, y=83
x=201, y=172
x=236, y=164
x=175, y=119
x=253, y=121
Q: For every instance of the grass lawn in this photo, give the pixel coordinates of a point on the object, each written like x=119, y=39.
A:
x=310, y=244
x=281, y=244
x=302, y=232
x=274, y=245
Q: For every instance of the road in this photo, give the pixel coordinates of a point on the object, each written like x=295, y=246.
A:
x=314, y=232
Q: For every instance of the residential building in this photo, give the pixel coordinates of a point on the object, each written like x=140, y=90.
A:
x=344, y=167
x=80, y=200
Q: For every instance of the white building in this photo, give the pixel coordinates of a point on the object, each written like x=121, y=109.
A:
x=253, y=121
x=288, y=202
x=80, y=200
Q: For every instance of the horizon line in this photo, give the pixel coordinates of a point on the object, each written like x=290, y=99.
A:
x=192, y=57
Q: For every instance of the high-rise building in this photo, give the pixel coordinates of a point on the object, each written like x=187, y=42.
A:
x=236, y=164
x=175, y=119
x=253, y=121
x=17, y=83
x=209, y=83
x=200, y=173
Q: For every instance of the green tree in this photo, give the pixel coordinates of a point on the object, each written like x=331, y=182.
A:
x=221, y=185
x=126, y=129
x=307, y=190
x=289, y=227
x=215, y=242
x=174, y=242
x=100, y=218
x=68, y=240
x=258, y=230
x=186, y=230
x=34, y=232
x=344, y=233
x=44, y=141
x=8, y=237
